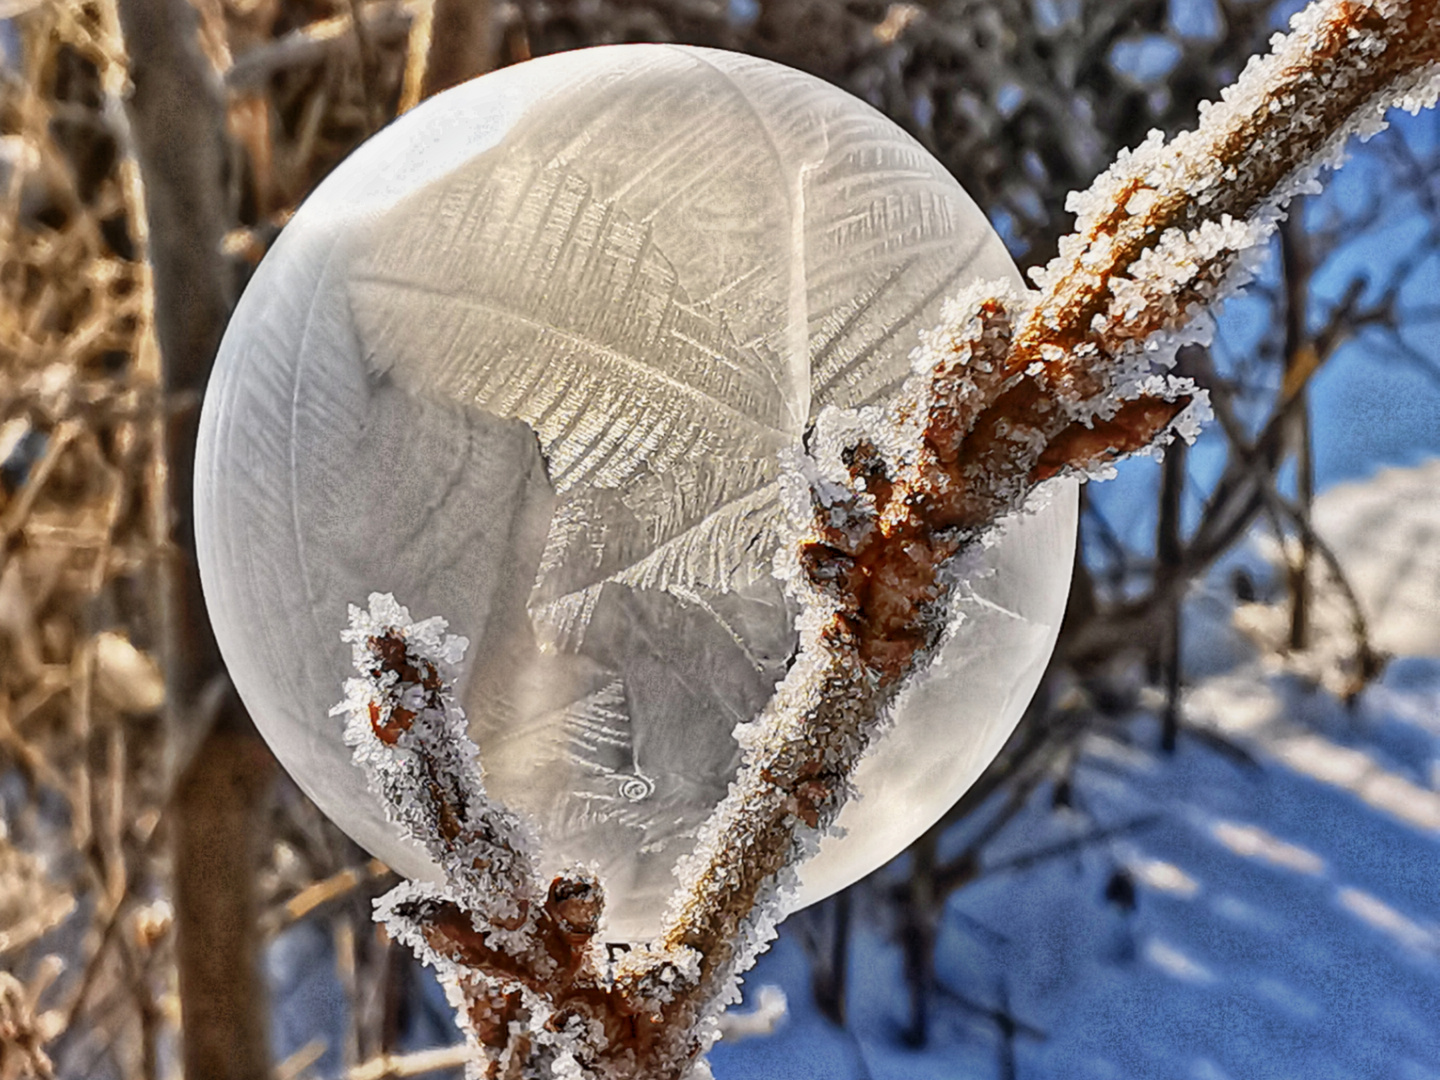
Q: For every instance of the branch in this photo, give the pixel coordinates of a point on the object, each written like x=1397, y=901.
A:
x=885, y=507
x=519, y=959
x=460, y=44
x=1166, y=232
x=384, y=25
x=176, y=119
x=410, y=738
x=418, y=1063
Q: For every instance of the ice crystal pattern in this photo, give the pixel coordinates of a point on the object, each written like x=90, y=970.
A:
x=530, y=358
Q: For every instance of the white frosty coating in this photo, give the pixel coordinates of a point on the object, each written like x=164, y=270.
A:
x=795, y=699
x=1189, y=272
x=555, y=1049
x=427, y=771
x=769, y=1010
x=392, y=912
x=409, y=737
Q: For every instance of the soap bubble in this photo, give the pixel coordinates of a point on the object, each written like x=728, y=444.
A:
x=527, y=360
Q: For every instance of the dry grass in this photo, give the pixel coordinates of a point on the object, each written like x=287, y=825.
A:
x=82, y=915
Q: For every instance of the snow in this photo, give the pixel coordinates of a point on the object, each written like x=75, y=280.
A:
x=1284, y=927
x=1383, y=533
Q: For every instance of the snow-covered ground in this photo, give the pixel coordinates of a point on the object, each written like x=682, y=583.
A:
x=1286, y=923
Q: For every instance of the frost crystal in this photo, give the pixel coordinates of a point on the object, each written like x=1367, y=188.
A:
x=409, y=736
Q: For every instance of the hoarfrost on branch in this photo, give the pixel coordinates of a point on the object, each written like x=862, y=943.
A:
x=884, y=504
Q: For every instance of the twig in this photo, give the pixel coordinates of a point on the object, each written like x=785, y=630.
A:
x=177, y=121
x=295, y=1065
x=369, y=67
x=1169, y=554
x=1061, y=848
x=1007, y=394
x=15, y=514
x=1269, y=499
x=419, y=1063
x=1370, y=662
x=919, y=925
x=1297, y=267
x=460, y=43
x=417, y=51
x=319, y=893
x=385, y=25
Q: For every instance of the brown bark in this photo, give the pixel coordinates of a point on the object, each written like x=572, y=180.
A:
x=460, y=44
x=218, y=816
x=178, y=127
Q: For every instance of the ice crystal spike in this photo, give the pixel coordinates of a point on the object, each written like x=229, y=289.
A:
x=530, y=358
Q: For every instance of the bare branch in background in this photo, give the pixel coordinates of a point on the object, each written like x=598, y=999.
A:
x=177, y=120
x=461, y=43
x=318, y=42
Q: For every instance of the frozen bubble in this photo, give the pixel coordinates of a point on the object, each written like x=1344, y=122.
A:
x=527, y=360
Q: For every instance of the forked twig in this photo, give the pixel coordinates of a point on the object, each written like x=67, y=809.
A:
x=885, y=505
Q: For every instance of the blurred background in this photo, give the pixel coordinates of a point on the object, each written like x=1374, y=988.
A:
x=1211, y=850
